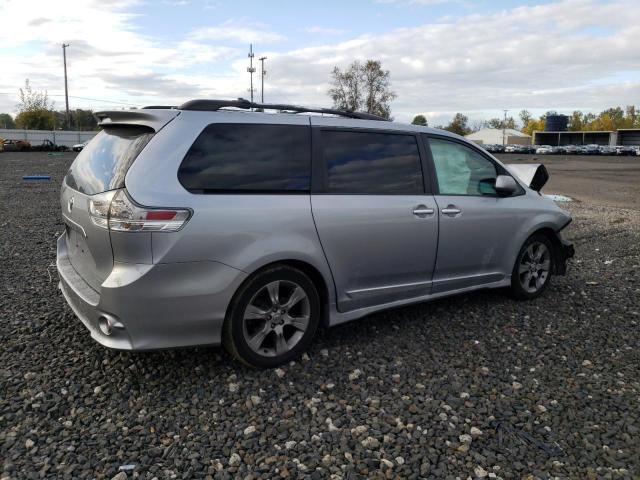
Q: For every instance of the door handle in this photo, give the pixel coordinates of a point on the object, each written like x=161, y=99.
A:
x=451, y=210
x=422, y=210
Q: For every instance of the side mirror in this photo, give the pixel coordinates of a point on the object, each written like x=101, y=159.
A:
x=506, y=185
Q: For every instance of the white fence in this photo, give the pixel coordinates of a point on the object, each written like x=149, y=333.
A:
x=36, y=137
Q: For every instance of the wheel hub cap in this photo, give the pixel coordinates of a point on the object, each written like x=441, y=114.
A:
x=276, y=318
x=534, y=267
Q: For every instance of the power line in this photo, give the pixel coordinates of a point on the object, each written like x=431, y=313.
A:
x=83, y=98
x=101, y=100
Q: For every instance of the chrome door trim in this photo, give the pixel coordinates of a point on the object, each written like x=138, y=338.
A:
x=455, y=283
x=365, y=292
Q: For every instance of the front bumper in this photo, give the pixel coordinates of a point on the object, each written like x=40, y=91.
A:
x=567, y=251
x=152, y=306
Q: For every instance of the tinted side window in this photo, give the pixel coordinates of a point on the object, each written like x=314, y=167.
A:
x=248, y=158
x=368, y=162
x=461, y=170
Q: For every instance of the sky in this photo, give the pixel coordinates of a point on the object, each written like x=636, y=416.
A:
x=472, y=56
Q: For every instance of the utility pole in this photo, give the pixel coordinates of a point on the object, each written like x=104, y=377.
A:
x=263, y=73
x=66, y=88
x=504, y=128
x=251, y=69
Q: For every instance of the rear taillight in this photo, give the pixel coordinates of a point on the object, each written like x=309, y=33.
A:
x=114, y=210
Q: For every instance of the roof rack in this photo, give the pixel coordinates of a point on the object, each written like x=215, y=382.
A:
x=159, y=107
x=215, y=105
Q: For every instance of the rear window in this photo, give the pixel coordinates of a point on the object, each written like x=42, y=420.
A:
x=248, y=158
x=103, y=162
x=373, y=163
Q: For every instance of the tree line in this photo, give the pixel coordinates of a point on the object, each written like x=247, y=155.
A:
x=37, y=112
x=613, y=118
x=362, y=86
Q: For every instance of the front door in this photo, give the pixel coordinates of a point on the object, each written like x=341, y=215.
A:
x=476, y=225
x=377, y=226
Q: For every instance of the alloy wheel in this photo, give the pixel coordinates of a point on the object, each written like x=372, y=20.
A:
x=535, y=267
x=276, y=318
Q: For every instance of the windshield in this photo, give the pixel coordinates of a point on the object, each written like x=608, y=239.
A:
x=104, y=161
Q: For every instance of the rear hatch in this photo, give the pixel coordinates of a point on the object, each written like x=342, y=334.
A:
x=101, y=167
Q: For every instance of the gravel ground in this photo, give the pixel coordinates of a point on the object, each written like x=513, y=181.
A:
x=611, y=181
x=473, y=386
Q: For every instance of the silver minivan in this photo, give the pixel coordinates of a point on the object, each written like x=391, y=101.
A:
x=213, y=223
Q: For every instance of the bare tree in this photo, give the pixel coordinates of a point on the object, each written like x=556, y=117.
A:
x=362, y=87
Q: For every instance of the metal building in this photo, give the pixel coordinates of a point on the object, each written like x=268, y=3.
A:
x=626, y=136
x=498, y=136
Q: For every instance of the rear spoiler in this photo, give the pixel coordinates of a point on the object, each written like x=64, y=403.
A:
x=154, y=119
x=534, y=175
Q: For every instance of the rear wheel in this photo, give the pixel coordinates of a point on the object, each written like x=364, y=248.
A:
x=272, y=318
x=532, y=272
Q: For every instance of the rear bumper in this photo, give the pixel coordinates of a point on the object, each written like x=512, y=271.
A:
x=152, y=306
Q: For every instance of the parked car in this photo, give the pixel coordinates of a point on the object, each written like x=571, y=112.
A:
x=570, y=149
x=48, y=146
x=200, y=225
x=592, y=149
x=16, y=146
x=607, y=150
x=511, y=149
x=79, y=146
x=494, y=148
x=625, y=150
x=544, y=150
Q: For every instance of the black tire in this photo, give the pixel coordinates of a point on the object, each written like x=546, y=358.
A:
x=518, y=290
x=235, y=328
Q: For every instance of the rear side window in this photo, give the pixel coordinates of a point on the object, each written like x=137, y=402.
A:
x=248, y=158
x=104, y=161
x=372, y=163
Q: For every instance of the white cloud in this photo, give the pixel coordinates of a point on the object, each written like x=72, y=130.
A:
x=239, y=31
x=318, y=30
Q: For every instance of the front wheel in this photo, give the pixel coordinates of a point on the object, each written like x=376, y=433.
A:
x=272, y=318
x=532, y=271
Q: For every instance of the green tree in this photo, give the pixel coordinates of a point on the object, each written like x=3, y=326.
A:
x=362, y=87
x=458, y=124
x=420, y=120
x=500, y=123
x=632, y=118
x=6, y=121
x=576, y=122
x=534, y=125
x=35, y=110
x=78, y=119
x=525, y=117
